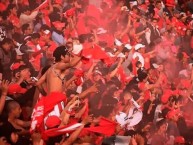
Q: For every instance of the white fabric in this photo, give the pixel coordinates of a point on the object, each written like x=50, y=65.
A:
x=141, y=59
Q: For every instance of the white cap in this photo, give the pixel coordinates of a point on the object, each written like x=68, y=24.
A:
x=155, y=65
x=46, y=32
x=118, y=43
x=110, y=54
x=77, y=48
x=138, y=46
x=128, y=46
x=121, y=55
x=101, y=31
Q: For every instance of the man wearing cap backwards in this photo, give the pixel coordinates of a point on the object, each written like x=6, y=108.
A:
x=55, y=76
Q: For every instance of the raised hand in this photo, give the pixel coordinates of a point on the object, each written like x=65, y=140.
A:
x=93, y=88
x=87, y=120
x=4, y=86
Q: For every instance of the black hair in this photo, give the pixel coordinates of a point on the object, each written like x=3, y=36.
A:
x=11, y=105
x=17, y=37
x=35, y=35
x=11, y=6
x=160, y=123
x=22, y=67
x=44, y=69
x=45, y=27
x=6, y=40
x=24, y=9
x=25, y=27
x=58, y=52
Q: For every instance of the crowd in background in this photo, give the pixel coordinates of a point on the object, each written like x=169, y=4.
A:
x=136, y=59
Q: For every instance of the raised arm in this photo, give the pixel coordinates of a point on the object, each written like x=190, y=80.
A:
x=39, y=85
x=4, y=88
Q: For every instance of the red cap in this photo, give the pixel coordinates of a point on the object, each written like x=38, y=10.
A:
x=16, y=89
x=70, y=12
x=52, y=121
x=58, y=24
x=15, y=66
x=179, y=139
x=170, y=3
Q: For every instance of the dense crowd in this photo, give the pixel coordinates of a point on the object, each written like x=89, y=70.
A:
x=96, y=72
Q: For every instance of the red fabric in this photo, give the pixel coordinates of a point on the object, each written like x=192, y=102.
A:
x=79, y=74
x=94, y=53
x=58, y=24
x=26, y=2
x=70, y=12
x=34, y=61
x=46, y=17
x=106, y=127
x=3, y=7
x=170, y=3
x=122, y=75
x=43, y=107
x=147, y=95
x=15, y=66
x=134, y=67
x=16, y=89
x=147, y=62
x=58, y=1
x=185, y=83
x=166, y=95
x=109, y=39
x=45, y=4
x=179, y=139
x=52, y=121
x=94, y=12
x=81, y=27
x=141, y=85
x=57, y=131
x=14, y=20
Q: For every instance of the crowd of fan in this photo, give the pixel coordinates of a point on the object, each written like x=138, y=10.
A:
x=133, y=54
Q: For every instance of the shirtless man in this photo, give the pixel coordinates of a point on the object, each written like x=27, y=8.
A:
x=55, y=75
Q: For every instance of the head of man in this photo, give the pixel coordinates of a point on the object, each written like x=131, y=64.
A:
x=61, y=54
x=26, y=29
x=6, y=44
x=13, y=109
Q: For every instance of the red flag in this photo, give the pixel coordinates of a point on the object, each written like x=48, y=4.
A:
x=95, y=53
x=43, y=5
x=70, y=12
x=43, y=107
x=94, y=12
x=61, y=130
x=106, y=127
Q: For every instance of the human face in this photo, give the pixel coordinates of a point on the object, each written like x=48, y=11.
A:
x=154, y=23
x=127, y=96
x=28, y=31
x=159, y=6
x=163, y=127
x=7, y=47
x=17, y=111
x=46, y=37
x=14, y=11
x=25, y=73
x=96, y=77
